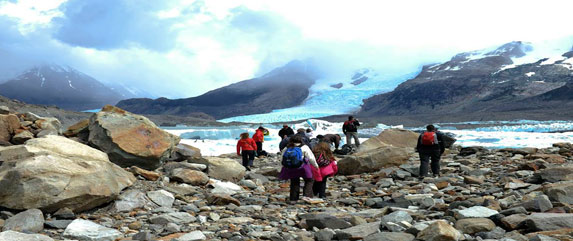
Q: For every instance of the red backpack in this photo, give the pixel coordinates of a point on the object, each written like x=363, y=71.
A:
x=429, y=138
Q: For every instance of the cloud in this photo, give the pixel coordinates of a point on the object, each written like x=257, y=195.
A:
x=112, y=24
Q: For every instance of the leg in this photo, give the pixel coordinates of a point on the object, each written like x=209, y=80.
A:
x=356, y=141
x=348, y=138
x=245, y=155
x=424, y=161
x=259, y=148
x=316, y=188
x=435, y=164
x=322, y=190
x=251, y=158
x=294, y=189
x=308, y=183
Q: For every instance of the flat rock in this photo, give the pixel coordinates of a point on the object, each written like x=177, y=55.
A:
x=358, y=232
x=175, y=217
x=390, y=236
x=321, y=221
x=86, y=230
x=130, y=200
x=513, y=222
x=17, y=236
x=549, y=221
x=58, y=224
x=162, y=198
x=539, y=203
x=475, y=225
x=29, y=221
x=193, y=177
x=225, y=169
x=222, y=199
x=557, y=174
x=192, y=236
x=149, y=175
x=560, y=192
x=440, y=231
x=475, y=212
x=392, y=221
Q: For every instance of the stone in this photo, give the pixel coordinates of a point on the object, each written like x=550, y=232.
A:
x=195, y=178
x=143, y=236
x=49, y=124
x=390, y=236
x=222, y=199
x=539, y=203
x=17, y=236
x=172, y=228
x=149, y=175
x=358, y=232
x=135, y=225
x=225, y=187
x=440, y=231
x=513, y=222
x=560, y=192
x=22, y=137
x=58, y=224
x=170, y=166
x=392, y=221
x=55, y=172
x=192, y=236
x=186, y=152
x=130, y=200
x=129, y=139
x=86, y=230
x=557, y=173
x=473, y=180
x=76, y=129
x=475, y=212
x=162, y=198
x=4, y=110
x=373, y=160
x=496, y=233
x=466, y=151
x=515, y=210
x=225, y=169
x=474, y=225
x=29, y=221
x=391, y=137
x=8, y=125
x=322, y=221
x=549, y=221
x=324, y=235
x=175, y=217
x=541, y=237
x=64, y=213
x=237, y=220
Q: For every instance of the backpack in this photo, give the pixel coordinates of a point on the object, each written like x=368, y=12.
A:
x=322, y=161
x=345, y=150
x=429, y=138
x=313, y=143
x=349, y=125
x=293, y=158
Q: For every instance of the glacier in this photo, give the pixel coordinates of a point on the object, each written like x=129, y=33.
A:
x=214, y=141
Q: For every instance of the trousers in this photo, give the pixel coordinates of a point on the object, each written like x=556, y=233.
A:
x=354, y=135
x=295, y=188
x=248, y=157
x=425, y=158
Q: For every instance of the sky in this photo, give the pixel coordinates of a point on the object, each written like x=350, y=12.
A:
x=183, y=48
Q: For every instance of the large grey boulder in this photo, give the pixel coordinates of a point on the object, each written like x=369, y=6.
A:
x=129, y=139
x=557, y=173
x=549, y=221
x=225, y=169
x=560, y=192
x=29, y=221
x=54, y=172
x=81, y=229
x=17, y=236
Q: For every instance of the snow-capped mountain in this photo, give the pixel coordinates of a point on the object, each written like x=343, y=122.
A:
x=61, y=86
x=511, y=78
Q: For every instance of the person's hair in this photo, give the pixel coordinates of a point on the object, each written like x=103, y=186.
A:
x=285, y=125
x=308, y=130
x=430, y=128
x=319, y=137
x=324, y=149
x=301, y=130
x=350, y=117
x=292, y=141
x=244, y=135
x=338, y=135
x=261, y=128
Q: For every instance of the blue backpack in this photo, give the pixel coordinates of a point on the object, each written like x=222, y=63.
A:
x=293, y=158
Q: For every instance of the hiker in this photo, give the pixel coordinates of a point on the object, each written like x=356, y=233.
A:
x=430, y=146
x=297, y=161
x=309, y=133
x=285, y=132
x=350, y=129
x=246, y=147
x=302, y=133
x=332, y=139
x=259, y=138
x=326, y=167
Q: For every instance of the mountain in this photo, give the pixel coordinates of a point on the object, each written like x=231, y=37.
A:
x=283, y=87
x=61, y=86
x=486, y=82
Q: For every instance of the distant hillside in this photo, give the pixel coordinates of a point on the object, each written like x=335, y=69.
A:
x=283, y=87
x=482, y=82
x=60, y=86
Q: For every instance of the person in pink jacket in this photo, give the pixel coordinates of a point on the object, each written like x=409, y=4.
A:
x=327, y=167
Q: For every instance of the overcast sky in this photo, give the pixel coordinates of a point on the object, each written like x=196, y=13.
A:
x=182, y=48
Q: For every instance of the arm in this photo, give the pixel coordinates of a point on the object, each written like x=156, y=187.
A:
x=238, y=148
x=344, y=128
x=309, y=155
x=356, y=123
x=336, y=142
x=418, y=144
x=441, y=143
x=253, y=144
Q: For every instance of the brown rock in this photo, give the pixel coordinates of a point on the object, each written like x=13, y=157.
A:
x=440, y=231
x=222, y=200
x=75, y=129
x=557, y=173
x=8, y=125
x=561, y=234
x=373, y=160
x=475, y=225
x=473, y=180
x=514, y=221
x=442, y=185
x=225, y=169
x=551, y=158
x=149, y=175
x=391, y=137
x=22, y=137
x=135, y=225
x=195, y=178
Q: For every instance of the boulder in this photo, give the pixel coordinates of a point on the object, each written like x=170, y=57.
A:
x=392, y=221
x=475, y=225
x=50, y=124
x=185, y=152
x=195, y=178
x=539, y=203
x=8, y=125
x=557, y=173
x=225, y=169
x=149, y=175
x=162, y=198
x=4, y=110
x=22, y=137
x=560, y=192
x=373, y=160
x=81, y=229
x=192, y=236
x=130, y=200
x=129, y=139
x=390, y=236
x=466, y=151
x=514, y=221
x=75, y=129
x=29, y=221
x=54, y=172
x=549, y=221
x=440, y=231
x=358, y=232
x=17, y=236
x=391, y=137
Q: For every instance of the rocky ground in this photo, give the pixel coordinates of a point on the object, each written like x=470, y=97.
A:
x=56, y=188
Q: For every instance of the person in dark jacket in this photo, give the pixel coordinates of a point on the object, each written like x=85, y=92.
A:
x=302, y=133
x=350, y=129
x=332, y=139
x=430, y=147
x=246, y=148
x=285, y=132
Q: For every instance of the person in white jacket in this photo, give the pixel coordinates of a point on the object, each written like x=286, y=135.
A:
x=304, y=171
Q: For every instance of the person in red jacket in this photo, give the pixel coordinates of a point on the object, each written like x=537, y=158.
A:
x=259, y=138
x=246, y=147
